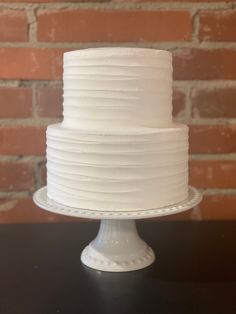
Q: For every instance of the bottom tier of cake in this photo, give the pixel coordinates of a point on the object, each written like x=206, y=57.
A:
x=138, y=169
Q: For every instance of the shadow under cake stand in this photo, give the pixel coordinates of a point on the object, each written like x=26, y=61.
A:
x=117, y=247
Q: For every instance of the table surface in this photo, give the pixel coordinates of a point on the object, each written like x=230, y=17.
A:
x=195, y=271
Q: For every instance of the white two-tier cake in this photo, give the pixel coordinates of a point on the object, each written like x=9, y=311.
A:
x=117, y=147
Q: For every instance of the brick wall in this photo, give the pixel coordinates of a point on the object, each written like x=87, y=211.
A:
x=35, y=33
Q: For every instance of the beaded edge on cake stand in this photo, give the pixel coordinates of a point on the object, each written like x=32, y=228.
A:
x=41, y=199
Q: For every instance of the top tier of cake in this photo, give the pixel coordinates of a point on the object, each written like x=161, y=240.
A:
x=117, y=88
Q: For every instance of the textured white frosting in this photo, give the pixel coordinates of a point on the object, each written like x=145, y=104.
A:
x=117, y=147
x=140, y=170
x=117, y=87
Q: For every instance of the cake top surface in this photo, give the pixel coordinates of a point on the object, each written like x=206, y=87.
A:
x=117, y=51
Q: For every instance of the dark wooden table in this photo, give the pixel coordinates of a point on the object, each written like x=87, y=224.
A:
x=195, y=271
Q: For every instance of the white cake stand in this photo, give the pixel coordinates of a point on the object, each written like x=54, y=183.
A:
x=117, y=247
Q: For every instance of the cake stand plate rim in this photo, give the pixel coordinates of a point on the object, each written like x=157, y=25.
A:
x=40, y=198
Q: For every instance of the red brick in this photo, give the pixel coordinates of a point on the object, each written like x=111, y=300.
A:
x=15, y=102
x=197, y=64
x=22, y=140
x=218, y=25
x=31, y=63
x=217, y=207
x=213, y=174
x=178, y=103
x=113, y=26
x=216, y=103
x=42, y=173
x=212, y=139
x=25, y=211
x=49, y=102
x=16, y=176
x=13, y=25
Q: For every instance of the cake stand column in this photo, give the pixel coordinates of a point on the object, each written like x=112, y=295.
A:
x=117, y=248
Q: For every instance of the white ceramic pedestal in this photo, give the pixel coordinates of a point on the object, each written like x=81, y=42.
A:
x=117, y=247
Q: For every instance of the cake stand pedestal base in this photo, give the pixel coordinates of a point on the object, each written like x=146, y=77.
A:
x=117, y=248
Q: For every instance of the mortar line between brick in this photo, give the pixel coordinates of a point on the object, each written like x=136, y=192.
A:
x=213, y=121
x=37, y=179
x=22, y=159
x=9, y=83
x=119, y=5
x=188, y=106
x=34, y=112
x=219, y=191
x=32, y=25
x=181, y=84
x=14, y=195
x=207, y=85
x=174, y=46
x=43, y=122
x=195, y=25
x=209, y=157
x=38, y=122
x=40, y=83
